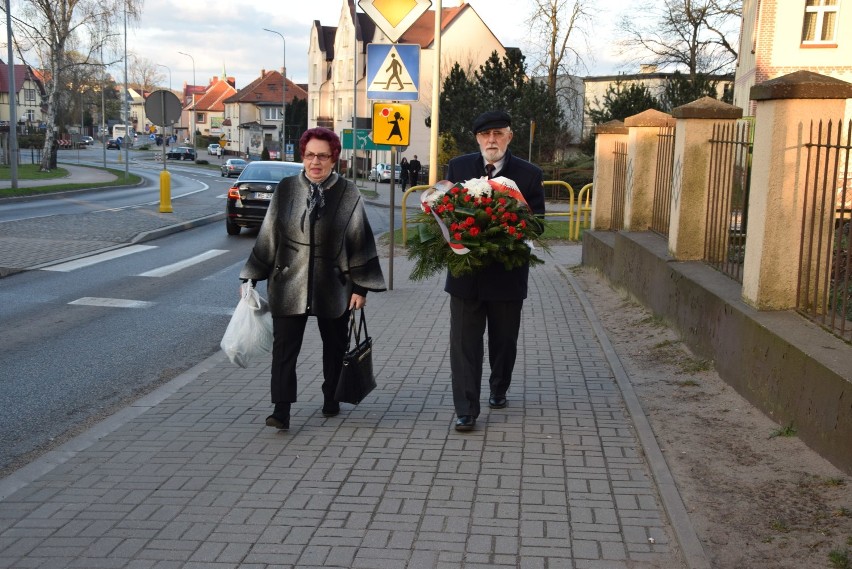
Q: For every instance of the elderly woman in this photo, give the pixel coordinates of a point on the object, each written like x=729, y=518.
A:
x=317, y=252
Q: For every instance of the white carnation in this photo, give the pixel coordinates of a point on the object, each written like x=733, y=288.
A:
x=478, y=187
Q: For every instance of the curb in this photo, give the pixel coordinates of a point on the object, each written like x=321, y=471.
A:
x=690, y=545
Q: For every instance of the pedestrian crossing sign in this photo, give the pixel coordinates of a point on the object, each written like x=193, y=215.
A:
x=391, y=123
x=393, y=71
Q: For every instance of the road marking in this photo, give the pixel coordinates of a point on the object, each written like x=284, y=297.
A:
x=95, y=259
x=111, y=302
x=175, y=267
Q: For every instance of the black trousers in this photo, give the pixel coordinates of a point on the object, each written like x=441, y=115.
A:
x=287, y=333
x=468, y=320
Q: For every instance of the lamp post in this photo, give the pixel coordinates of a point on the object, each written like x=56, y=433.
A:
x=282, y=135
x=126, y=141
x=170, y=90
x=170, y=73
x=13, y=110
x=192, y=120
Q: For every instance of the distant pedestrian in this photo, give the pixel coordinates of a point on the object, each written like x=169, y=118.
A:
x=414, y=171
x=403, y=173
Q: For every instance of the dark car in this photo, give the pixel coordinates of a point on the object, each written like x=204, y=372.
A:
x=233, y=167
x=248, y=198
x=181, y=153
x=112, y=143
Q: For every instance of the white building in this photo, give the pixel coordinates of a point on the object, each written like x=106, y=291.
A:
x=338, y=54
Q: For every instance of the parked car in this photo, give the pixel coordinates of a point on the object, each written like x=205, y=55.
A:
x=112, y=143
x=248, y=198
x=233, y=167
x=382, y=173
x=181, y=153
x=214, y=149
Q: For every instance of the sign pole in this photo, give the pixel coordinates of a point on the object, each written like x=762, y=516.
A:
x=392, y=227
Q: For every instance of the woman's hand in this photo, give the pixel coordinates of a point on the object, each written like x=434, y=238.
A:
x=357, y=301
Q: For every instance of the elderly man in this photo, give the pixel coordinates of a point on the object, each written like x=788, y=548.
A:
x=494, y=296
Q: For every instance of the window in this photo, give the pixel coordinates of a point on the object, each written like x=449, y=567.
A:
x=29, y=95
x=315, y=74
x=199, y=118
x=30, y=115
x=820, y=21
x=272, y=113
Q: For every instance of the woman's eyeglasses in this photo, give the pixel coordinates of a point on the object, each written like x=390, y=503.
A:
x=309, y=156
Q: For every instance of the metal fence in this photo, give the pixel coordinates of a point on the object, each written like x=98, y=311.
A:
x=619, y=185
x=662, y=206
x=824, y=292
x=727, y=198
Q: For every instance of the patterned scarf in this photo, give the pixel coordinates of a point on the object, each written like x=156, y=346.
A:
x=317, y=198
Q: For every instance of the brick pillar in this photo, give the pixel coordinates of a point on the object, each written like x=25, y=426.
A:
x=785, y=108
x=606, y=136
x=693, y=130
x=642, y=143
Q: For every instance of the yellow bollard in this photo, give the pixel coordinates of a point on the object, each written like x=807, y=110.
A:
x=165, y=192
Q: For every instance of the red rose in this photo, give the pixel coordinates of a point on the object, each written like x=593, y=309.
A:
x=474, y=231
x=457, y=236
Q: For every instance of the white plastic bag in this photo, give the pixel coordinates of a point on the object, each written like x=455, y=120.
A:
x=249, y=333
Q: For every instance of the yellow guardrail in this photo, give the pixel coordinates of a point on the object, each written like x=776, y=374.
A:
x=579, y=212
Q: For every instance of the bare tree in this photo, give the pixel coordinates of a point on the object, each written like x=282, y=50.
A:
x=144, y=75
x=559, y=38
x=694, y=36
x=52, y=28
x=557, y=31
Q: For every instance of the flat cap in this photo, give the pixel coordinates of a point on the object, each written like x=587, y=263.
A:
x=491, y=119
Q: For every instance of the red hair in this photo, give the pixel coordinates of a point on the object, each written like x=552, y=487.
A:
x=321, y=133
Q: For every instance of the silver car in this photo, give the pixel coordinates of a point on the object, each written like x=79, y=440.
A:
x=233, y=167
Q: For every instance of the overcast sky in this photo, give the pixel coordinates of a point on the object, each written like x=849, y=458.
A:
x=229, y=35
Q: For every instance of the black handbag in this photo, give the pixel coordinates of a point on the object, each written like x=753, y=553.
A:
x=356, y=377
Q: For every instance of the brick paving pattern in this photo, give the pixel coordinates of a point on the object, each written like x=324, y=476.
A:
x=557, y=479
x=190, y=477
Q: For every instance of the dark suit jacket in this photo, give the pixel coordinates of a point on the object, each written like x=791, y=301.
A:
x=495, y=282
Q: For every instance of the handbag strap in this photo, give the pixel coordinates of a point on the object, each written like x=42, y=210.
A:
x=356, y=330
x=363, y=324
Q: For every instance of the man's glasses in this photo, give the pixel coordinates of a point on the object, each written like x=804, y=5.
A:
x=309, y=156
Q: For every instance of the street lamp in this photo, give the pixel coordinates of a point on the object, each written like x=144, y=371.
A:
x=281, y=135
x=170, y=90
x=126, y=141
x=192, y=121
x=170, y=73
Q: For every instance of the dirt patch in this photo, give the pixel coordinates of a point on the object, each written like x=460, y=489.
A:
x=757, y=496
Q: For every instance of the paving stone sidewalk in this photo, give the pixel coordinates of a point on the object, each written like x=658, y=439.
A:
x=190, y=477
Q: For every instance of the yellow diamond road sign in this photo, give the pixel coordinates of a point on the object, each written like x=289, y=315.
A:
x=394, y=17
x=391, y=123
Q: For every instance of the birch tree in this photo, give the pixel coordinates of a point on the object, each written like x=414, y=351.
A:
x=52, y=28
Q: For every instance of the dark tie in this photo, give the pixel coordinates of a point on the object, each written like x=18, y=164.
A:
x=489, y=170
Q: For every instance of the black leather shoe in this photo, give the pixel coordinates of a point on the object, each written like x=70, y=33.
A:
x=465, y=423
x=280, y=423
x=497, y=401
x=330, y=409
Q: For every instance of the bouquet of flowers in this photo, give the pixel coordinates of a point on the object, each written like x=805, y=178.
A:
x=467, y=226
